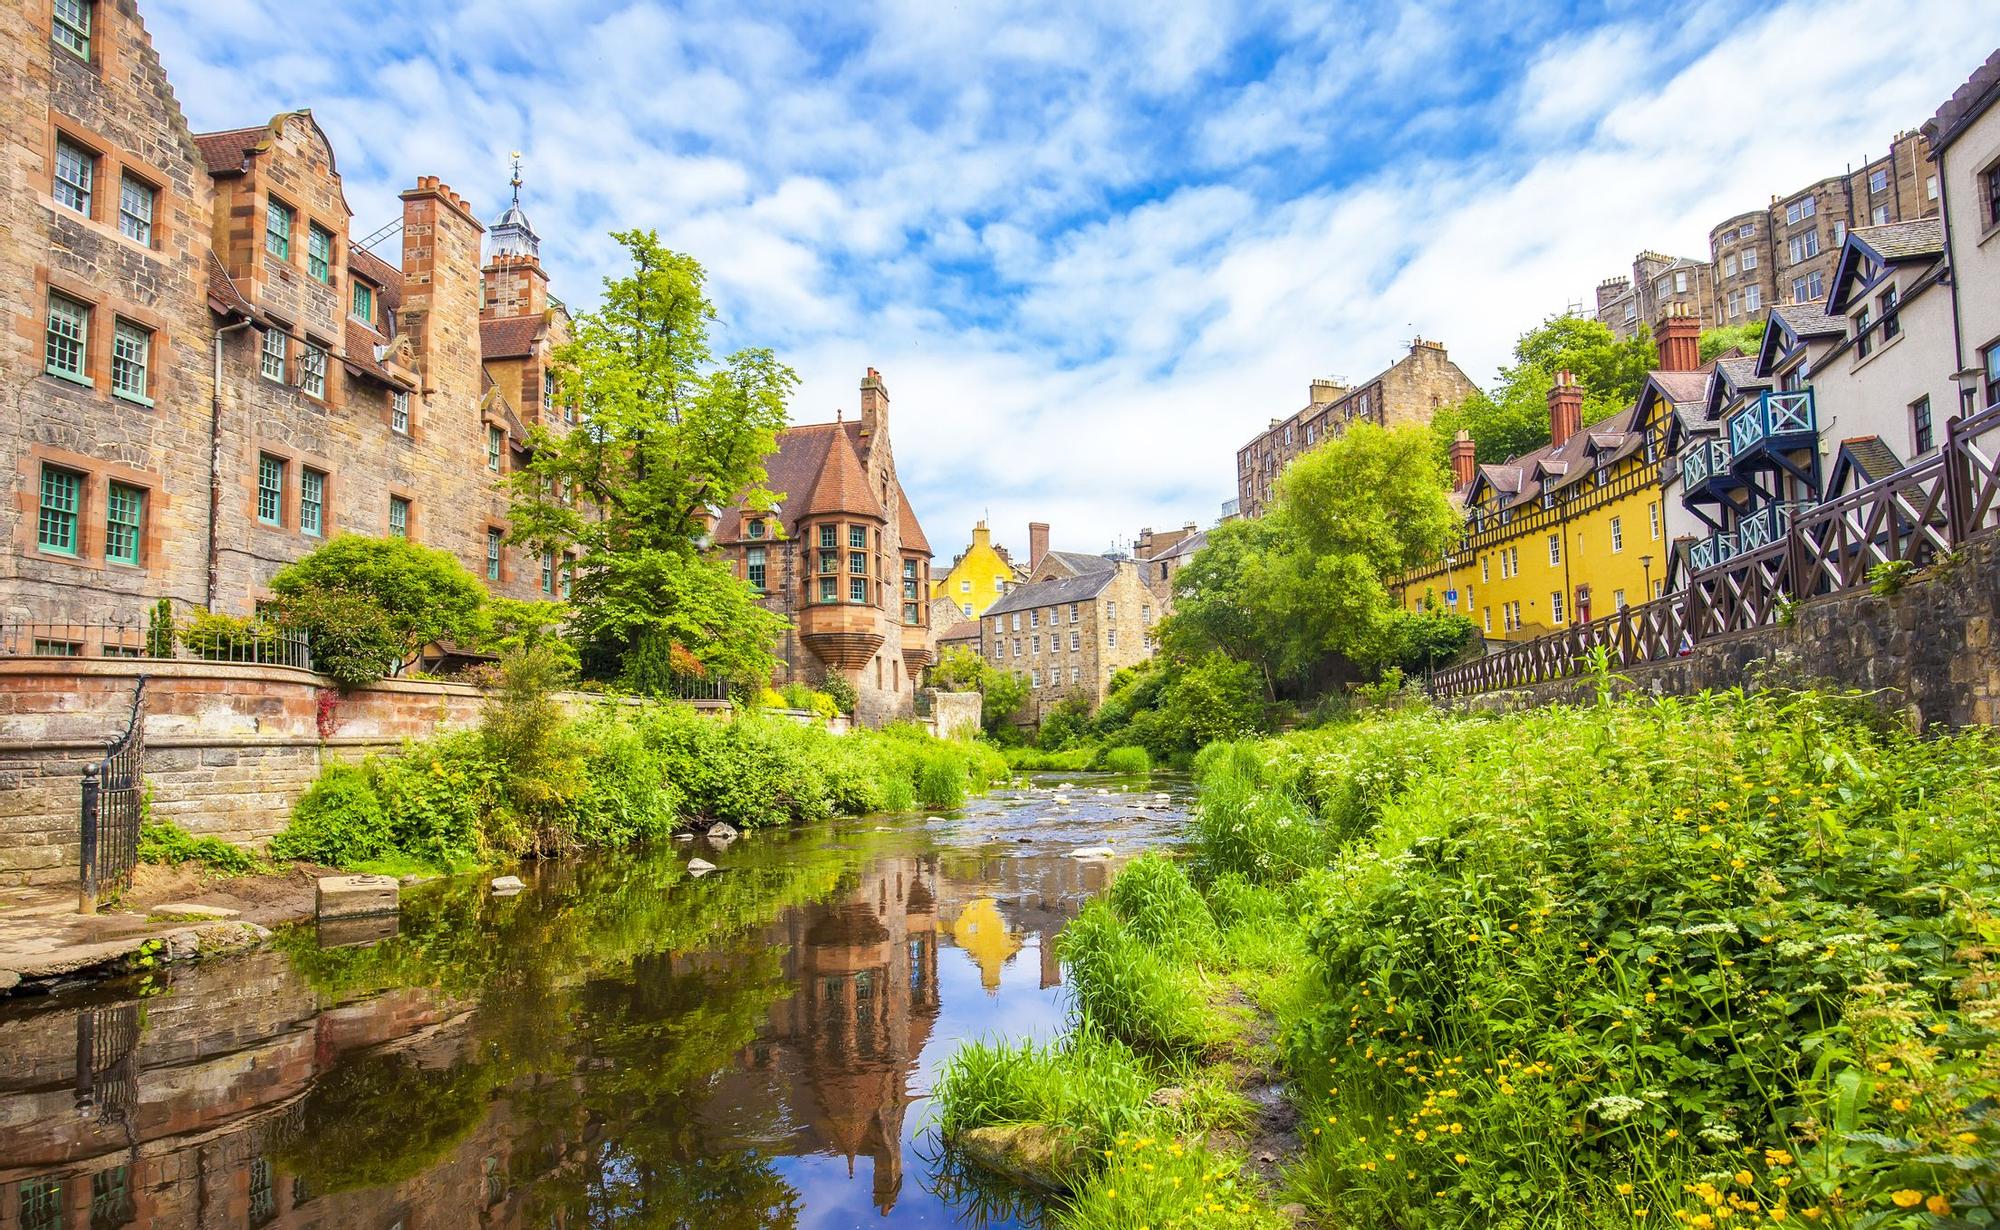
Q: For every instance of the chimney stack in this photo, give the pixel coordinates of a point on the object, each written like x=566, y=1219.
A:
x=1464, y=459
x=874, y=405
x=1324, y=392
x=1680, y=339
x=1565, y=408
x=1038, y=544
x=442, y=286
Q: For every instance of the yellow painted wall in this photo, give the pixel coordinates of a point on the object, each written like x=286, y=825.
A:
x=979, y=577
x=1487, y=579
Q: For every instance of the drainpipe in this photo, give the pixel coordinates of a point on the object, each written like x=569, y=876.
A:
x=1951, y=275
x=215, y=463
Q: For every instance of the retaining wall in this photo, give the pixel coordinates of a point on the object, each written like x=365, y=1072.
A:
x=1929, y=649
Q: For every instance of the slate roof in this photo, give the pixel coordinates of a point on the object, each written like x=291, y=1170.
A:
x=1082, y=562
x=1056, y=591
x=510, y=337
x=1520, y=479
x=1186, y=546
x=1904, y=241
x=1871, y=456
x=1807, y=320
x=1966, y=104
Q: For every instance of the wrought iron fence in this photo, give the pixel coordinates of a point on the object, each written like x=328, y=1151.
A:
x=200, y=641
x=109, y=813
x=1913, y=516
x=698, y=687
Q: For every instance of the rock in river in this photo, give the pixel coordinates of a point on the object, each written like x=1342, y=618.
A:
x=507, y=886
x=722, y=833
x=700, y=866
x=1091, y=852
x=1033, y=1154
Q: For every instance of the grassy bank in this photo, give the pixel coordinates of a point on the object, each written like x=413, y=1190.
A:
x=1725, y=961
x=611, y=778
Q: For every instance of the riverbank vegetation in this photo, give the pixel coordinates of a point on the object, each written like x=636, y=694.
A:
x=1690, y=963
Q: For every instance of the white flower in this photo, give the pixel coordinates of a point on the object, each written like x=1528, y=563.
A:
x=1617, y=1107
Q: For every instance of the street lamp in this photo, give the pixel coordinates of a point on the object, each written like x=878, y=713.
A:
x=1646, y=562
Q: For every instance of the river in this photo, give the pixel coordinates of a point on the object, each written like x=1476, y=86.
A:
x=620, y=1044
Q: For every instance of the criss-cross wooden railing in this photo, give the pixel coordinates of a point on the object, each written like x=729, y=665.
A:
x=1912, y=516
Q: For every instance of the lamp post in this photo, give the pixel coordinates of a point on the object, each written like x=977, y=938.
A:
x=1646, y=562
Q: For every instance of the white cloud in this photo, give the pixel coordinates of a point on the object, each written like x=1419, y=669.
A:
x=1093, y=248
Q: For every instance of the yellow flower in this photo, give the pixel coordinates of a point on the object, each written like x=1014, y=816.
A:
x=1938, y=1204
x=1779, y=1212
x=1908, y=1198
x=1624, y=1189
x=1745, y=1178
x=1814, y=1213
x=1459, y=1158
x=1111, y=1193
x=1652, y=998
x=1899, y=1103
x=1883, y=1065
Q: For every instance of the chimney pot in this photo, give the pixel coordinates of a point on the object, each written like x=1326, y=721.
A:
x=1464, y=459
x=1680, y=340
x=1565, y=408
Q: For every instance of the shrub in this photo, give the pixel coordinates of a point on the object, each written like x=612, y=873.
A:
x=1125, y=760
x=1064, y=724
x=1122, y=984
x=941, y=778
x=842, y=693
x=228, y=638
x=368, y=604
x=338, y=821
x=435, y=797
x=526, y=731
x=167, y=843
x=160, y=630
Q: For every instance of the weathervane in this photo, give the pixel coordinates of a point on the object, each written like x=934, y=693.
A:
x=516, y=156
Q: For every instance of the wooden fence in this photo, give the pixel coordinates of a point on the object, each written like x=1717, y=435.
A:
x=1909, y=518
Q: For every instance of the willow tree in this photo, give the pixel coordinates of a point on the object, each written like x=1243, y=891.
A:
x=666, y=435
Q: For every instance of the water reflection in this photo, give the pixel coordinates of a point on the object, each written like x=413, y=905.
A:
x=618, y=1045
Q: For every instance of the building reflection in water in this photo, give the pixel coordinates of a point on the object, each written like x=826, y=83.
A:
x=177, y=1110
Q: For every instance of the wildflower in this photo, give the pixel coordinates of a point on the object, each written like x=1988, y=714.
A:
x=1624, y=1189
x=1908, y=1198
x=1745, y=1178
x=1814, y=1213
x=1459, y=1158
x=1938, y=1205
x=1899, y=1103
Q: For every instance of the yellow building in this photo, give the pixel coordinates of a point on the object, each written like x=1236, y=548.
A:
x=979, y=576
x=1565, y=534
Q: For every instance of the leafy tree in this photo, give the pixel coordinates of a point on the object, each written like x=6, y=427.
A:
x=1424, y=640
x=1066, y=724
x=1001, y=693
x=1217, y=602
x=668, y=434
x=1514, y=417
x=1746, y=337
x=369, y=605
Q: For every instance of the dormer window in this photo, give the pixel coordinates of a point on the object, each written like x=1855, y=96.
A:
x=71, y=29
x=364, y=302
x=757, y=528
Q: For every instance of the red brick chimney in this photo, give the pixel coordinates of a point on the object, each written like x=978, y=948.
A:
x=1464, y=460
x=874, y=405
x=1680, y=340
x=1038, y=544
x=1565, y=408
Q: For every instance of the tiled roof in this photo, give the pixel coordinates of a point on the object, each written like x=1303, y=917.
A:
x=963, y=630
x=1082, y=562
x=1186, y=546
x=1807, y=320
x=1055, y=591
x=790, y=471
x=1966, y=104
x=225, y=152
x=510, y=337
x=908, y=532
x=378, y=271
x=1871, y=456
x=223, y=295
x=842, y=484
x=1561, y=461
x=1682, y=386
x=1901, y=241
x=360, y=345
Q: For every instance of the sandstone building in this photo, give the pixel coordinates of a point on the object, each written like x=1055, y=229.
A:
x=843, y=558
x=1075, y=623
x=205, y=378
x=1409, y=391
x=1659, y=284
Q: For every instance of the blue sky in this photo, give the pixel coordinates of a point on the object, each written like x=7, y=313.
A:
x=1092, y=249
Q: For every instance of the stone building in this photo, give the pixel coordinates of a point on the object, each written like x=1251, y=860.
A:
x=843, y=558
x=1075, y=623
x=1161, y=555
x=1659, y=284
x=206, y=379
x=1409, y=391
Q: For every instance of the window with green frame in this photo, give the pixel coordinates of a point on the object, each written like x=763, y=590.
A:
x=124, y=523
x=399, y=517
x=270, y=489
x=46, y=648
x=493, y=555
x=826, y=536
x=271, y=355
x=68, y=336
x=364, y=301
x=319, y=254
x=71, y=30
x=828, y=589
x=131, y=350
x=857, y=563
x=312, y=502
x=278, y=229
x=829, y=561
x=495, y=448
x=857, y=536
x=857, y=590
x=61, y=504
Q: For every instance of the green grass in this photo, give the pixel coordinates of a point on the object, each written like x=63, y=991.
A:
x=1127, y=760
x=163, y=841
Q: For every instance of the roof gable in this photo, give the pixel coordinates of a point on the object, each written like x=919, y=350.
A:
x=1869, y=251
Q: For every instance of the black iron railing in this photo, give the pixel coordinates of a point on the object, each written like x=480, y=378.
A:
x=109, y=815
x=1911, y=517
x=260, y=644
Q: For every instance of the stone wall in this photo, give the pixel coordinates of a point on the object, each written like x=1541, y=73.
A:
x=229, y=748
x=954, y=715
x=1929, y=650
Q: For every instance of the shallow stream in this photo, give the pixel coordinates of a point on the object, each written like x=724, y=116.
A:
x=618, y=1044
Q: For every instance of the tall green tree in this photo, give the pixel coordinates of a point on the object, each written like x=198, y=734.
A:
x=1311, y=580
x=667, y=435
x=1513, y=417
x=1747, y=337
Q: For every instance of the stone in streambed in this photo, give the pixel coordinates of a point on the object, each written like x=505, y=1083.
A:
x=1091, y=852
x=723, y=833
x=700, y=866
x=507, y=886
x=354, y=896
x=1032, y=1154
